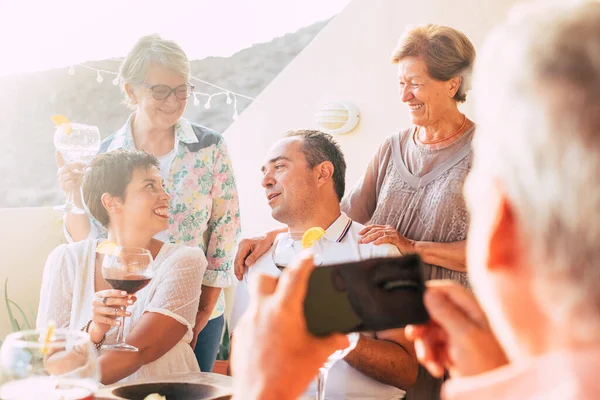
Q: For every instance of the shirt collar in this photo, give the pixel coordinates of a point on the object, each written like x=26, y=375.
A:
x=124, y=137
x=184, y=132
x=338, y=230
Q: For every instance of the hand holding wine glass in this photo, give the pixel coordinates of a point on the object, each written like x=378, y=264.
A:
x=77, y=144
x=69, y=176
x=107, y=309
x=126, y=269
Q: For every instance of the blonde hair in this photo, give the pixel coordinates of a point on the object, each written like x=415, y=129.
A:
x=446, y=52
x=152, y=49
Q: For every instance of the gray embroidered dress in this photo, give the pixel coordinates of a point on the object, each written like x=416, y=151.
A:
x=418, y=191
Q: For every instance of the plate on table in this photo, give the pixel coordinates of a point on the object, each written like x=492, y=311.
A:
x=172, y=390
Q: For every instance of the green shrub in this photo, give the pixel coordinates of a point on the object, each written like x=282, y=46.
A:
x=17, y=317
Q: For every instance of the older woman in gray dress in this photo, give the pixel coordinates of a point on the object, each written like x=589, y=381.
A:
x=411, y=194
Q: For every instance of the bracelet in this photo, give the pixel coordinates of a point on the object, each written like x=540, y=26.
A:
x=86, y=328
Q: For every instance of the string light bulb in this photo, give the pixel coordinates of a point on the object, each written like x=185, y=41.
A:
x=231, y=97
x=235, y=111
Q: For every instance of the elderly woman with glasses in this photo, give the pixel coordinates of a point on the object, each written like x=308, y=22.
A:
x=196, y=170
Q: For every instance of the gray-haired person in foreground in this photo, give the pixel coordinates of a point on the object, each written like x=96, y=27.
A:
x=533, y=253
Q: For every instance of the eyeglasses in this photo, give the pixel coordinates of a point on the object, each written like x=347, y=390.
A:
x=162, y=92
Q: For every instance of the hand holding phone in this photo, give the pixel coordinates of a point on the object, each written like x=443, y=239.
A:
x=369, y=295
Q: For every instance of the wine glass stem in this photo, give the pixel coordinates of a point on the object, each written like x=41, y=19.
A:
x=321, y=381
x=121, y=331
x=69, y=202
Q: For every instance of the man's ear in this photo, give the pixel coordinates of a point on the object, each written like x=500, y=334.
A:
x=324, y=172
x=503, y=244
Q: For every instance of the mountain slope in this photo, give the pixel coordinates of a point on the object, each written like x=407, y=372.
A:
x=28, y=169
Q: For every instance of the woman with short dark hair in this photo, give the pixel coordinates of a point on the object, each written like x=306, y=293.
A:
x=124, y=191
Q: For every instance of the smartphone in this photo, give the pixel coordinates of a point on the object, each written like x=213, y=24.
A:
x=369, y=295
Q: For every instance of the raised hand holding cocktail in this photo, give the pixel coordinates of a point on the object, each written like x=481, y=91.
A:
x=77, y=145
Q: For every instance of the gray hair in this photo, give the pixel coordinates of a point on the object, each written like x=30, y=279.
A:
x=538, y=111
x=447, y=52
x=152, y=49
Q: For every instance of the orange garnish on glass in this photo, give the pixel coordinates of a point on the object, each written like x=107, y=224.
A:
x=62, y=122
x=107, y=247
x=311, y=236
x=48, y=337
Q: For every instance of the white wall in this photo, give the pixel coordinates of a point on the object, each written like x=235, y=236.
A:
x=27, y=236
x=348, y=60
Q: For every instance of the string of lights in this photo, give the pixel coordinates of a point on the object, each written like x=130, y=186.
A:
x=231, y=97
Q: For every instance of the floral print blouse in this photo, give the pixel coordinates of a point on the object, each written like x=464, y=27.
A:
x=204, y=209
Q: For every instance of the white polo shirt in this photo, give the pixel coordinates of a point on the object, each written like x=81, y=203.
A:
x=341, y=245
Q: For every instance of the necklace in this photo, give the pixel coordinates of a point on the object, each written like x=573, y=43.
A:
x=459, y=130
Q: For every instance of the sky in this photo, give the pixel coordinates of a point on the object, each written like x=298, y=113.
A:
x=44, y=34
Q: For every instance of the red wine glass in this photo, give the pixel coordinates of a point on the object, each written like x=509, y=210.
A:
x=128, y=269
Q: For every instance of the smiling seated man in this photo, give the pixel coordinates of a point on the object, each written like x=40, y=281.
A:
x=304, y=181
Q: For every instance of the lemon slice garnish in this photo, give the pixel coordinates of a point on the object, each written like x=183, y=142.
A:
x=311, y=236
x=48, y=336
x=63, y=122
x=107, y=247
x=60, y=119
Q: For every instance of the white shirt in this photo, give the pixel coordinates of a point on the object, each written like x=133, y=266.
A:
x=340, y=245
x=68, y=291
